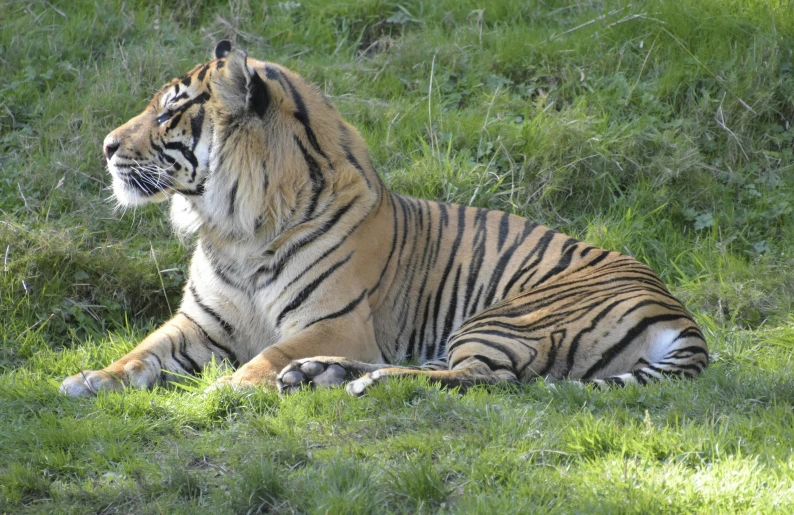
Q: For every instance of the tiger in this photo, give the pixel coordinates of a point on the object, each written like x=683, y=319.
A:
x=308, y=272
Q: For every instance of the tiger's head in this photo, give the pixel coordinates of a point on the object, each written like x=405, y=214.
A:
x=238, y=144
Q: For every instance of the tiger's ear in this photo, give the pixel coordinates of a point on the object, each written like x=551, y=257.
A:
x=247, y=82
x=223, y=48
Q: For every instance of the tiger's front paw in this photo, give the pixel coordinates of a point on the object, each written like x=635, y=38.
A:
x=310, y=373
x=89, y=382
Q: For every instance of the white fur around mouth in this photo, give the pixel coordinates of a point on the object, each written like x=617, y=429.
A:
x=129, y=195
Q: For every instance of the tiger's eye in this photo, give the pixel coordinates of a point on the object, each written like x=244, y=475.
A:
x=164, y=117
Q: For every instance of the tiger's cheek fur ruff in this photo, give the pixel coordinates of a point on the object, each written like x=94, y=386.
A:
x=309, y=272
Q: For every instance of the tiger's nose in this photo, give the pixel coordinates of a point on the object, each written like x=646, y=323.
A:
x=110, y=149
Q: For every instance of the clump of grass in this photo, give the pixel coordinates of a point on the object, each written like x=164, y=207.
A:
x=259, y=486
x=420, y=484
x=342, y=486
x=184, y=482
x=23, y=484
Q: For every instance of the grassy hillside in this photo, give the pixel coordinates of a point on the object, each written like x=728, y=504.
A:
x=660, y=129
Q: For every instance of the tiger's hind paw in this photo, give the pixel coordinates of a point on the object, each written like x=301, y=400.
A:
x=310, y=373
x=360, y=385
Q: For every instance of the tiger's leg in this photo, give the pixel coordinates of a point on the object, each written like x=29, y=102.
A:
x=353, y=337
x=603, y=338
x=475, y=361
x=180, y=346
x=327, y=371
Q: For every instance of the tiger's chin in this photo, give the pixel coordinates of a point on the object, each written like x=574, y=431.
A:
x=130, y=195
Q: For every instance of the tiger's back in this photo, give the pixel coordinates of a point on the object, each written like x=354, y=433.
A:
x=308, y=271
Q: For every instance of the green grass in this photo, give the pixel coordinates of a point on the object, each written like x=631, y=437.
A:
x=660, y=129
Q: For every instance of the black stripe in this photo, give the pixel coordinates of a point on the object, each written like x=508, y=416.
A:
x=302, y=115
x=174, y=349
x=494, y=366
x=423, y=263
x=276, y=269
x=422, y=335
x=504, y=229
x=595, y=261
x=556, y=292
x=577, y=300
x=219, y=270
x=179, y=111
x=409, y=354
x=689, y=332
x=214, y=314
x=196, y=126
x=231, y=355
x=233, y=197
x=561, y=266
x=652, y=302
x=556, y=338
x=614, y=380
x=452, y=309
x=557, y=316
x=692, y=350
x=453, y=254
x=323, y=256
x=195, y=367
x=270, y=72
x=640, y=377
x=182, y=149
x=315, y=176
x=197, y=192
x=435, y=254
x=480, y=247
x=633, y=333
x=344, y=311
x=593, y=323
x=203, y=72
x=681, y=366
x=501, y=264
x=491, y=345
x=393, y=246
x=344, y=142
x=404, y=209
x=402, y=298
x=258, y=95
x=301, y=297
